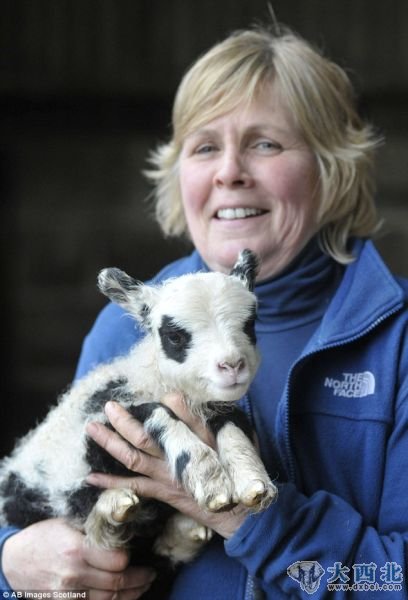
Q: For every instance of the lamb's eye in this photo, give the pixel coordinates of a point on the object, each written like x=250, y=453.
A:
x=175, y=339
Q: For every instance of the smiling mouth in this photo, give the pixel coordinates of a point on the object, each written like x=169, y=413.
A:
x=230, y=214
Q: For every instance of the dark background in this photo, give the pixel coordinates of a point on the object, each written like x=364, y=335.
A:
x=85, y=91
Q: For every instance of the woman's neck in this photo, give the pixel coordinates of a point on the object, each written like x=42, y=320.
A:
x=302, y=292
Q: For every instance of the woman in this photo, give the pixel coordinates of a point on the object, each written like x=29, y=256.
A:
x=269, y=153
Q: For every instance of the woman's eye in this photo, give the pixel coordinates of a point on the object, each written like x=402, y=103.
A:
x=205, y=149
x=267, y=145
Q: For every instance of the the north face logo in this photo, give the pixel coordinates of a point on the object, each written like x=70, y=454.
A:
x=353, y=385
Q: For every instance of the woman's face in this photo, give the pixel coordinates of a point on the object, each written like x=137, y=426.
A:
x=248, y=180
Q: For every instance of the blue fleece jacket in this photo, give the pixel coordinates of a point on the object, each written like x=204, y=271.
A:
x=341, y=518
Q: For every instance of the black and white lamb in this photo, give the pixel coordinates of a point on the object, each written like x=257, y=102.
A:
x=199, y=341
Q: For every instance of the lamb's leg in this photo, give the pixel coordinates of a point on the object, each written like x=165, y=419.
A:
x=182, y=539
x=192, y=462
x=106, y=524
x=252, y=484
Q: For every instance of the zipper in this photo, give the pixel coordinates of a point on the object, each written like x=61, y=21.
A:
x=302, y=359
x=249, y=584
x=252, y=591
x=246, y=405
x=249, y=588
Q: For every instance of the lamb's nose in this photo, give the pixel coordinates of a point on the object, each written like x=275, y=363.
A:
x=232, y=368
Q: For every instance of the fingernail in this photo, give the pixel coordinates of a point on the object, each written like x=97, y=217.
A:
x=91, y=479
x=110, y=408
x=91, y=427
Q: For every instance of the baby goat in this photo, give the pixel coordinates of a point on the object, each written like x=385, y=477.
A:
x=199, y=341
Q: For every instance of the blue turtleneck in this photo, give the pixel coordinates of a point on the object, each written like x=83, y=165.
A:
x=290, y=308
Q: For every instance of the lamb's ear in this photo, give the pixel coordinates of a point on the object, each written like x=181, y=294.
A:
x=246, y=268
x=132, y=295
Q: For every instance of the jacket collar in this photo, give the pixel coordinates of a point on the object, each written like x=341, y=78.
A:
x=367, y=294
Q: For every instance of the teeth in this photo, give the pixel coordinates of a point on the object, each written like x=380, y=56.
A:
x=237, y=213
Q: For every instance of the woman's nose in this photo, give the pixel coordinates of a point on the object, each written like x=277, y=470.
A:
x=232, y=171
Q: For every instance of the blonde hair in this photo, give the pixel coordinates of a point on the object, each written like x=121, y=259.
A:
x=319, y=96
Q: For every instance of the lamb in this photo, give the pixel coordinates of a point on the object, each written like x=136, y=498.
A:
x=199, y=341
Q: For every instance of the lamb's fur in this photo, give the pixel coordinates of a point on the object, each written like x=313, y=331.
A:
x=200, y=341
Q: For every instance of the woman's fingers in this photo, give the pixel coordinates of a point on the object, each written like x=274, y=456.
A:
x=154, y=479
x=133, y=459
x=142, y=486
x=130, y=583
x=163, y=488
x=130, y=429
x=133, y=431
x=61, y=559
x=125, y=581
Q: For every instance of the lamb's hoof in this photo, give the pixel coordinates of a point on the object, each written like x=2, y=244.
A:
x=125, y=507
x=258, y=495
x=219, y=503
x=200, y=534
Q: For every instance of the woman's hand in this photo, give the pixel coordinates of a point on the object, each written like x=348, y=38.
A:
x=50, y=555
x=143, y=457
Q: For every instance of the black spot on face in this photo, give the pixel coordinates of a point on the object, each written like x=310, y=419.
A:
x=249, y=326
x=24, y=505
x=175, y=340
x=181, y=462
